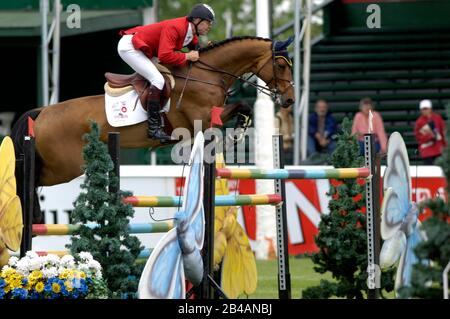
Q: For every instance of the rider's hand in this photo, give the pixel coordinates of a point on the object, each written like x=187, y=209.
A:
x=192, y=56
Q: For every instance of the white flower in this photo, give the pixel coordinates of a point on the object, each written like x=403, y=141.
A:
x=52, y=259
x=94, y=264
x=31, y=254
x=98, y=274
x=23, y=266
x=23, y=270
x=50, y=272
x=84, y=255
x=68, y=261
x=6, y=267
x=13, y=261
x=83, y=267
x=35, y=264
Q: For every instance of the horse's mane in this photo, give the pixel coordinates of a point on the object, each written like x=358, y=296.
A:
x=226, y=41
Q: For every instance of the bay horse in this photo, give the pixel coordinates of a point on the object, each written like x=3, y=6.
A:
x=59, y=128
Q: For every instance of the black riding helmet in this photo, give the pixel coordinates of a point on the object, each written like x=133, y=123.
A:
x=202, y=11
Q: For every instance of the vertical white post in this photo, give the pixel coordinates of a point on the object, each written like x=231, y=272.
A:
x=56, y=53
x=297, y=81
x=228, y=17
x=150, y=14
x=306, y=76
x=44, y=51
x=264, y=129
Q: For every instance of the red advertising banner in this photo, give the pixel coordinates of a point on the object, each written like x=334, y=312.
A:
x=306, y=201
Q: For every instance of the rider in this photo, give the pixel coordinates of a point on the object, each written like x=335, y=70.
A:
x=141, y=47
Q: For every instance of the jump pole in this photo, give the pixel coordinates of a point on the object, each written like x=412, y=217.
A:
x=114, y=152
x=372, y=217
x=209, y=192
x=28, y=170
x=284, y=276
x=208, y=288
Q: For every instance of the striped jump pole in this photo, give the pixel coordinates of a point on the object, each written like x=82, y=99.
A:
x=69, y=229
x=331, y=173
x=144, y=254
x=221, y=200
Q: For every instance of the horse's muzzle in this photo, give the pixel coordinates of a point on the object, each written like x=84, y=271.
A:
x=287, y=103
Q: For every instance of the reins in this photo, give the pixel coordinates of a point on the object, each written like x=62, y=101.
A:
x=275, y=93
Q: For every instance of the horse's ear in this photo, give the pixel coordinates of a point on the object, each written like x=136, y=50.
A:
x=282, y=45
x=289, y=41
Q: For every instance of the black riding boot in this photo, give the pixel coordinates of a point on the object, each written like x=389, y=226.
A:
x=155, y=129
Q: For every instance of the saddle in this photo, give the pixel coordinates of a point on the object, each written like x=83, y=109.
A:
x=118, y=84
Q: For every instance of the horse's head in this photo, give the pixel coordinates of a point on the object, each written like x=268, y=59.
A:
x=277, y=73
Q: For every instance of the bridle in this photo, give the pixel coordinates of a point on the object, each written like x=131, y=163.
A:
x=277, y=54
x=274, y=93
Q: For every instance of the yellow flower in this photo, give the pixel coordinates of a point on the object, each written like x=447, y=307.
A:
x=35, y=275
x=17, y=276
x=65, y=274
x=56, y=288
x=68, y=285
x=39, y=287
x=8, y=272
x=16, y=283
x=82, y=275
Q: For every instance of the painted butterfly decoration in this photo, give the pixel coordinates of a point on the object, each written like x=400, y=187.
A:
x=11, y=223
x=400, y=227
x=177, y=255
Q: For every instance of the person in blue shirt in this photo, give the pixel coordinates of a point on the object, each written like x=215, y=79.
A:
x=322, y=130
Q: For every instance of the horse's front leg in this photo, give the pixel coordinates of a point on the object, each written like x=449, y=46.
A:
x=244, y=113
x=242, y=110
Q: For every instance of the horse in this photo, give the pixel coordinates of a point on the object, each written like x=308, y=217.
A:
x=59, y=128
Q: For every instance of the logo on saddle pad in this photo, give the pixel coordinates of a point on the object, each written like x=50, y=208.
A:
x=123, y=104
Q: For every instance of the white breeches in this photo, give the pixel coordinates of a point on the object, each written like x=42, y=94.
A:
x=139, y=62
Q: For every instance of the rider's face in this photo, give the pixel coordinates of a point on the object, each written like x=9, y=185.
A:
x=204, y=27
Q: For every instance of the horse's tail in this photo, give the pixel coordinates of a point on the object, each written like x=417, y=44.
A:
x=18, y=131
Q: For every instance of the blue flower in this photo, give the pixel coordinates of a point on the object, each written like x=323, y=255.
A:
x=34, y=295
x=19, y=293
x=48, y=287
x=75, y=294
x=64, y=291
x=2, y=283
x=24, y=281
x=2, y=293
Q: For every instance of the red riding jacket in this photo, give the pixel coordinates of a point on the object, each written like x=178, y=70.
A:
x=163, y=40
x=430, y=144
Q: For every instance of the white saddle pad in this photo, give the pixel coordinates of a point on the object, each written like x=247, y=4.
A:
x=123, y=110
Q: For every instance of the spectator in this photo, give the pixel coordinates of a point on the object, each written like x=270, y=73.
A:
x=284, y=122
x=361, y=126
x=430, y=133
x=321, y=130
